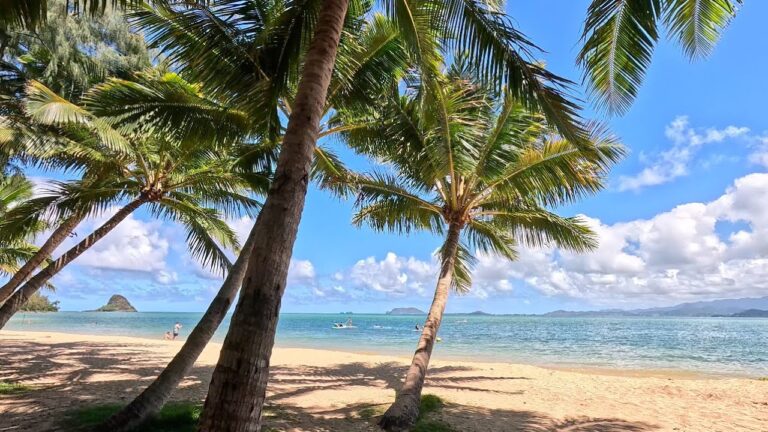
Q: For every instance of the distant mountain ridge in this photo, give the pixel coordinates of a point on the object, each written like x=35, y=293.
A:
x=406, y=311
x=725, y=307
x=752, y=313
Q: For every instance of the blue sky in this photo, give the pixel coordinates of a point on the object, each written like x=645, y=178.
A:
x=682, y=219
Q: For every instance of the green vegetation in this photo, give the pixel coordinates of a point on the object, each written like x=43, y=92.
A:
x=477, y=168
x=429, y=404
x=40, y=303
x=174, y=417
x=10, y=388
x=620, y=37
x=370, y=412
x=480, y=152
x=15, y=248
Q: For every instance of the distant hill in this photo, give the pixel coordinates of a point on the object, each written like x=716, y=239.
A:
x=752, y=313
x=116, y=303
x=726, y=307
x=601, y=313
x=479, y=313
x=709, y=308
x=406, y=311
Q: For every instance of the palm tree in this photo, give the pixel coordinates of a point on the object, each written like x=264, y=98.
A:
x=28, y=14
x=478, y=27
x=183, y=178
x=371, y=59
x=15, y=249
x=477, y=168
x=619, y=38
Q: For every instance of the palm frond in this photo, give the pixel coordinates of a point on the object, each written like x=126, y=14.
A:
x=207, y=234
x=46, y=107
x=169, y=105
x=368, y=64
x=385, y=203
x=537, y=227
x=619, y=39
x=491, y=238
x=482, y=30
x=330, y=174
x=463, y=263
x=697, y=24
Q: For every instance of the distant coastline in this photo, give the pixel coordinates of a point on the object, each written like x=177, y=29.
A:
x=734, y=346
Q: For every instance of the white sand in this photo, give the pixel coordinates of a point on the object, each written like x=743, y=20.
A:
x=317, y=390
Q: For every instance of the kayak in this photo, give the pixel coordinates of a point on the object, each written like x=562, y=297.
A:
x=343, y=327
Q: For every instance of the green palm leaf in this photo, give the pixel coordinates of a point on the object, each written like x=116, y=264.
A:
x=620, y=36
x=697, y=24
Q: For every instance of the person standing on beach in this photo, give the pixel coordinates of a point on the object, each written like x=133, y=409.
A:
x=176, y=329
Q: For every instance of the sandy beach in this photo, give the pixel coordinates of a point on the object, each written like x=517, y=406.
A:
x=317, y=390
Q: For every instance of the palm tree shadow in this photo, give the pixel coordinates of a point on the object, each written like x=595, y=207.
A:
x=71, y=376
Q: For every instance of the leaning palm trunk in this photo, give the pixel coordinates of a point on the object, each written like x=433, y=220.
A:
x=57, y=237
x=404, y=412
x=239, y=382
x=20, y=297
x=152, y=399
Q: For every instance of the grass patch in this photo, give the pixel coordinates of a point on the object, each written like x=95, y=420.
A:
x=432, y=426
x=370, y=412
x=10, y=388
x=174, y=417
x=763, y=379
x=429, y=404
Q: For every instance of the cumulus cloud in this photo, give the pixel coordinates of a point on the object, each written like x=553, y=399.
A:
x=395, y=275
x=759, y=155
x=133, y=245
x=693, y=251
x=301, y=272
x=681, y=254
x=674, y=162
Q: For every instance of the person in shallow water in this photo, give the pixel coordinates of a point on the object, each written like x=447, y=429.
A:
x=417, y=327
x=176, y=329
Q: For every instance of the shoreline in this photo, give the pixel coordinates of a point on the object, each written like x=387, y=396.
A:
x=630, y=372
x=313, y=390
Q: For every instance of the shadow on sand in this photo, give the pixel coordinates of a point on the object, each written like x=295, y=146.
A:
x=70, y=376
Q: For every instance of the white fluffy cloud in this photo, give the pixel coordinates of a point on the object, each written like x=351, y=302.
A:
x=674, y=162
x=394, y=275
x=133, y=245
x=759, y=155
x=685, y=253
x=301, y=272
x=693, y=251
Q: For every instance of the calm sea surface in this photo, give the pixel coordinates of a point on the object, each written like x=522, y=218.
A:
x=710, y=345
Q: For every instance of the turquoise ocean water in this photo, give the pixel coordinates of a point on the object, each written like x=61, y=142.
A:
x=710, y=345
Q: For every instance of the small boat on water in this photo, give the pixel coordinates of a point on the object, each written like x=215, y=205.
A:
x=346, y=325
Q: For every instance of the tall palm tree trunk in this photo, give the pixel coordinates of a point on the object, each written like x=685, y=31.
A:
x=57, y=237
x=239, y=382
x=404, y=412
x=20, y=297
x=152, y=399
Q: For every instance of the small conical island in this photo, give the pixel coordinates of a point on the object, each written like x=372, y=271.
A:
x=116, y=303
